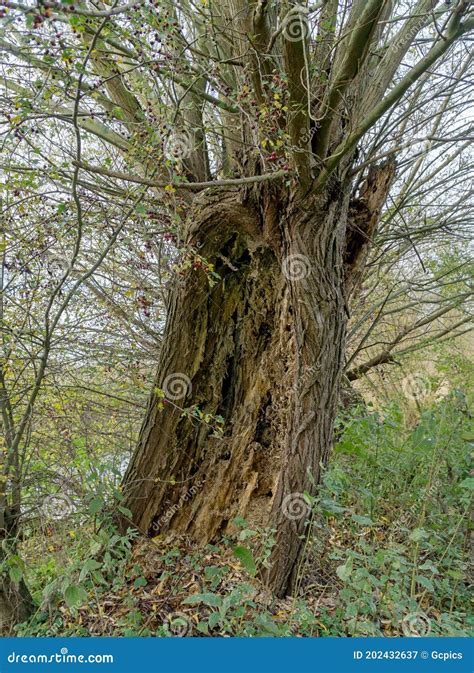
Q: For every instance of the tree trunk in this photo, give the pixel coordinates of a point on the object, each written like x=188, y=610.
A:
x=16, y=604
x=263, y=349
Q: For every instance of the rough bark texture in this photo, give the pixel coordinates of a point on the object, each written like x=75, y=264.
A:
x=264, y=350
x=364, y=215
x=16, y=604
x=316, y=232
x=234, y=344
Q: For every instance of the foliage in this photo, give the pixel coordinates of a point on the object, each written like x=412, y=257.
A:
x=379, y=549
x=393, y=516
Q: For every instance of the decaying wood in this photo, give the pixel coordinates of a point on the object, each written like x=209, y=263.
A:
x=363, y=218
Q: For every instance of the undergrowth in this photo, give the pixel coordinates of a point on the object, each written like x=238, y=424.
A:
x=386, y=550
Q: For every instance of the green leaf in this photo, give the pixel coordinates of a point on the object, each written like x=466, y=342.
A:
x=332, y=507
x=99, y=578
x=245, y=557
x=16, y=574
x=212, y=600
x=363, y=520
x=202, y=627
x=90, y=565
x=345, y=571
x=425, y=582
x=309, y=500
x=427, y=565
x=240, y=522
x=267, y=625
x=214, y=619
x=126, y=512
x=96, y=504
x=418, y=534
x=468, y=483
x=75, y=595
x=139, y=582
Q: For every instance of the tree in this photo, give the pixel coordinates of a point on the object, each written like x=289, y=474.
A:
x=59, y=276
x=47, y=320
x=263, y=135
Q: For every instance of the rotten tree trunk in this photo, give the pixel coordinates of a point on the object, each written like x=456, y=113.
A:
x=227, y=352
x=263, y=349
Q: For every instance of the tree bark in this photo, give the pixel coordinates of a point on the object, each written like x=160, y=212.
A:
x=231, y=349
x=16, y=604
x=263, y=349
x=316, y=233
